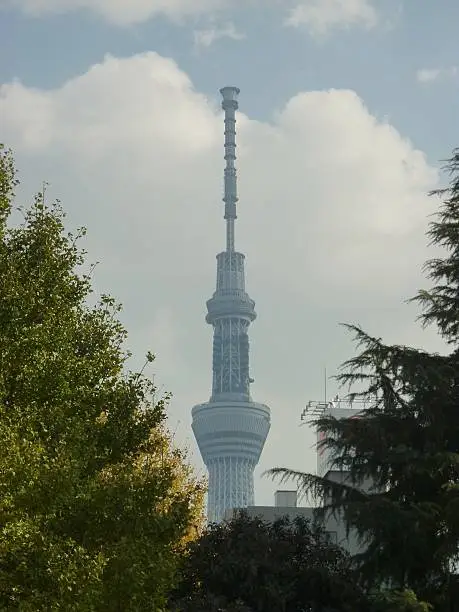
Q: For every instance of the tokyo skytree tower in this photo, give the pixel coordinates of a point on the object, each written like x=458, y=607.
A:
x=230, y=428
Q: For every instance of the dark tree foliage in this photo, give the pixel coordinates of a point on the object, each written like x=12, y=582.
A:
x=407, y=442
x=248, y=565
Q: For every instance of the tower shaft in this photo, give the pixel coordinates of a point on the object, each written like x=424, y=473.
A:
x=230, y=311
x=230, y=429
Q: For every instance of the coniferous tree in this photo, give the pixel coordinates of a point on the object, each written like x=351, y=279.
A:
x=407, y=442
x=441, y=303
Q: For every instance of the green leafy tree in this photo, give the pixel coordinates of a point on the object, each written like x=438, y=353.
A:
x=407, y=442
x=249, y=565
x=95, y=502
x=398, y=601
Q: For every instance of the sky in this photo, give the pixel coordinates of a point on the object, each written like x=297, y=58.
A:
x=346, y=108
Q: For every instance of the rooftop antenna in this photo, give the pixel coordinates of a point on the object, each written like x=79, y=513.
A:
x=325, y=385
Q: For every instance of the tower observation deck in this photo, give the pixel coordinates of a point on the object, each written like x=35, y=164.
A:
x=230, y=428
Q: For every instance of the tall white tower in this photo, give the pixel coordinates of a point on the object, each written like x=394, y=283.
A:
x=230, y=429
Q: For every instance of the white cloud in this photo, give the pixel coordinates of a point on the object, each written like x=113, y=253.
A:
x=207, y=37
x=121, y=12
x=318, y=16
x=332, y=215
x=322, y=16
x=429, y=75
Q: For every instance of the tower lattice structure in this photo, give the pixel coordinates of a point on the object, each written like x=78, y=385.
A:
x=230, y=428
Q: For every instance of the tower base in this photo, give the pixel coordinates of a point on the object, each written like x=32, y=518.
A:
x=230, y=436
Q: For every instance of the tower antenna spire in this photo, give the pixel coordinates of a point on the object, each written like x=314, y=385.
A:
x=230, y=105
